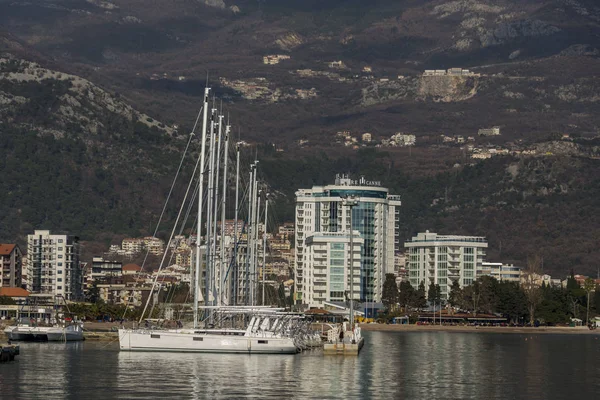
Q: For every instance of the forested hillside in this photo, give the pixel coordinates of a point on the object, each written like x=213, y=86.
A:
x=97, y=99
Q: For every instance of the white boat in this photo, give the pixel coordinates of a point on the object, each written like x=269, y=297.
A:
x=261, y=336
x=204, y=341
x=69, y=333
x=27, y=332
x=268, y=330
x=24, y=331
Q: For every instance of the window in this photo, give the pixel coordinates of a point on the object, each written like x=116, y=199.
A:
x=60, y=249
x=337, y=246
x=60, y=240
x=60, y=256
x=263, y=342
x=59, y=280
x=60, y=265
x=336, y=262
x=59, y=288
x=59, y=272
x=198, y=339
x=337, y=254
x=155, y=336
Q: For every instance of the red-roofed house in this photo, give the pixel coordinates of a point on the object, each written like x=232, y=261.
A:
x=11, y=265
x=131, y=269
x=14, y=292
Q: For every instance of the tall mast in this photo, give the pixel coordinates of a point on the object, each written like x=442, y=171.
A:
x=235, y=227
x=199, y=228
x=216, y=276
x=223, y=205
x=209, y=213
x=264, y=260
x=249, y=237
x=255, y=244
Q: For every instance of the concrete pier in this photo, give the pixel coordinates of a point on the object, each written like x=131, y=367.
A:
x=343, y=348
x=8, y=352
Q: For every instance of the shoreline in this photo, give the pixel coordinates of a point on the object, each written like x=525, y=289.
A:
x=105, y=335
x=480, y=329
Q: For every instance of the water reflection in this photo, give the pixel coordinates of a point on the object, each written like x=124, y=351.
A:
x=392, y=365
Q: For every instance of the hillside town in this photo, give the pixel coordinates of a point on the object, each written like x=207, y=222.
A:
x=293, y=261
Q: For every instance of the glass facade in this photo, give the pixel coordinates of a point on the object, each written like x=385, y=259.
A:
x=363, y=220
x=369, y=217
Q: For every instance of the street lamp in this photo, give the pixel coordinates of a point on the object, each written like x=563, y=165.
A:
x=350, y=202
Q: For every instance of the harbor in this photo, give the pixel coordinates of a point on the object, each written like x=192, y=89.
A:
x=390, y=365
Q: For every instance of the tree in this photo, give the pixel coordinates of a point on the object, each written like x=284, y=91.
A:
x=575, y=293
x=572, y=283
x=471, y=296
x=554, y=308
x=93, y=294
x=532, y=289
x=488, y=293
x=512, y=302
x=431, y=293
x=407, y=293
x=7, y=301
x=589, y=285
x=390, y=295
x=456, y=295
x=434, y=293
x=438, y=294
x=419, y=300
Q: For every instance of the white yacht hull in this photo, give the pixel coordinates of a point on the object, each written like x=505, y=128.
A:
x=64, y=335
x=181, y=341
x=27, y=333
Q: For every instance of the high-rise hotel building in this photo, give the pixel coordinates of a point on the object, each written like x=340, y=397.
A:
x=323, y=223
x=53, y=265
x=443, y=259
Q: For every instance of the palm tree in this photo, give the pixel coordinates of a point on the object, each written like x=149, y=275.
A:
x=588, y=285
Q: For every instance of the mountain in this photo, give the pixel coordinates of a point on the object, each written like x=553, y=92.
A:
x=91, y=92
x=70, y=148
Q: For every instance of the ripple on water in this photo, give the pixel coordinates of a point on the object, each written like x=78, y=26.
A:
x=399, y=365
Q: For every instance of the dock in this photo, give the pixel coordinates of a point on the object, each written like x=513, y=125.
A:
x=8, y=352
x=348, y=344
x=343, y=348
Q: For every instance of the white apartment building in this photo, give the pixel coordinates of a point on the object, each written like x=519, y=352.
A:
x=53, y=265
x=443, y=259
x=154, y=245
x=327, y=272
x=321, y=210
x=501, y=271
x=132, y=245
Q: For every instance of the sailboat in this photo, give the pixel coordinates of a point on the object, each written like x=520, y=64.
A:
x=268, y=330
x=27, y=329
